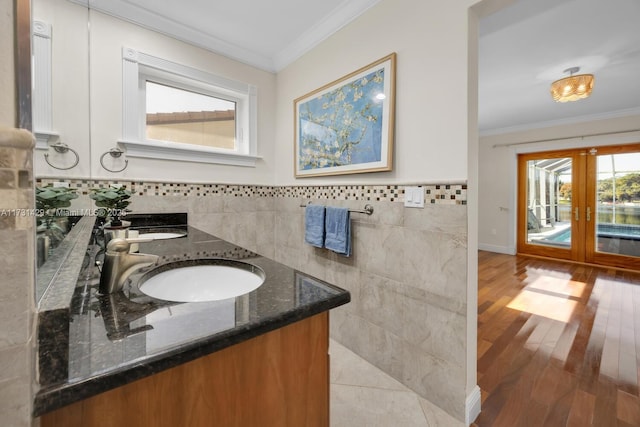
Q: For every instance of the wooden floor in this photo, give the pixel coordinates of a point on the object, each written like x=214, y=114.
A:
x=558, y=344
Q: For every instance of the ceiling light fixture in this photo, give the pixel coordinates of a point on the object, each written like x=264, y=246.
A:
x=572, y=88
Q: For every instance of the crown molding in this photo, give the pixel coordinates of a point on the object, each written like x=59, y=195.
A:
x=342, y=15
x=153, y=21
x=559, y=122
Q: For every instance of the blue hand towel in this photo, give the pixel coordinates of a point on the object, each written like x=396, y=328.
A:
x=314, y=225
x=338, y=230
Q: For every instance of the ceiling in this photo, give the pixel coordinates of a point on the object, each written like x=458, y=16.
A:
x=523, y=48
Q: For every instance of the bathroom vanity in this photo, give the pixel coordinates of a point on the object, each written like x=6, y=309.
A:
x=129, y=359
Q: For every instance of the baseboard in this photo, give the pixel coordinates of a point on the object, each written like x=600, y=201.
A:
x=498, y=249
x=472, y=406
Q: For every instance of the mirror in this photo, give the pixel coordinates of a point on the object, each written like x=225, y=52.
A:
x=87, y=70
x=60, y=61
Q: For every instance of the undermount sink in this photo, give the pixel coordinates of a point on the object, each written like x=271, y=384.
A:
x=201, y=280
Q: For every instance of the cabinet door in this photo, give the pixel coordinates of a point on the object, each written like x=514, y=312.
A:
x=278, y=379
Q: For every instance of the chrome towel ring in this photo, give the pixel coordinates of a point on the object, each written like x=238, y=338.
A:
x=115, y=153
x=62, y=148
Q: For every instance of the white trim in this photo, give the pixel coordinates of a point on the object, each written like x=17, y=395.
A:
x=149, y=19
x=565, y=121
x=165, y=150
x=507, y=250
x=342, y=15
x=42, y=101
x=43, y=139
x=472, y=406
x=138, y=66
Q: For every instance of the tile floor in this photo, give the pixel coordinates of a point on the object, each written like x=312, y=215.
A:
x=364, y=396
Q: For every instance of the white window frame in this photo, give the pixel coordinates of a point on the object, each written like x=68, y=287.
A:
x=138, y=67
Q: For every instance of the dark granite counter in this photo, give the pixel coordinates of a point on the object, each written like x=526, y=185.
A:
x=106, y=341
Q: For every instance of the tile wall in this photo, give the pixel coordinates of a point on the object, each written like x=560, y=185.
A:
x=407, y=274
x=17, y=264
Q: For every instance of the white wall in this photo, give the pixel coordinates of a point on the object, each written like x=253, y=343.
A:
x=435, y=96
x=70, y=85
x=497, y=171
x=107, y=36
x=430, y=38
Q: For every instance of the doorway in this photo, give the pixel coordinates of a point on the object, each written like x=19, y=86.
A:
x=581, y=205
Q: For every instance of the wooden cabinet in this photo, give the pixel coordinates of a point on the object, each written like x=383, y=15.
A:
x=280, y=378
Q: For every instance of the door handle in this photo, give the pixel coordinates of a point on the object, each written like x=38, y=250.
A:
x=577, y=214
x=588, y=213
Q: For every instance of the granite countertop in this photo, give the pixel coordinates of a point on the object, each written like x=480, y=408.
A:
x=105, y=341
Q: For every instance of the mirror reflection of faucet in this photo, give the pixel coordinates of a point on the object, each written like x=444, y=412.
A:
x=118, y=312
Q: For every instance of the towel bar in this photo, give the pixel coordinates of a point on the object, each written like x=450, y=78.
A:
x=368, y=209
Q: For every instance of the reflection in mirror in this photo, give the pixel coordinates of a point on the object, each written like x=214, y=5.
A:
x=61, y=94
x=180, y=115
x=61, y=89
x=54, y=220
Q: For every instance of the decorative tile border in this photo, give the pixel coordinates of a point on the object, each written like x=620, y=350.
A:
x=449, y=194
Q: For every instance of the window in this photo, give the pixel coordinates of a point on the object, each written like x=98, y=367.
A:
x=180, y=115
x=175, y=112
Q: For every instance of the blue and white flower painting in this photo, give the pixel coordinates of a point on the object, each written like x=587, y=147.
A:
x=343, y=126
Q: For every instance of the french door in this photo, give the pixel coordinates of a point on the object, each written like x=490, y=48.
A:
x=581, y=205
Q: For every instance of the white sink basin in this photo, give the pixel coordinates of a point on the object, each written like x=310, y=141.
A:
x=201, y=280
x=162, y=235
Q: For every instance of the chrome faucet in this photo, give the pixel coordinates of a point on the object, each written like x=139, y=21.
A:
x=119, y=264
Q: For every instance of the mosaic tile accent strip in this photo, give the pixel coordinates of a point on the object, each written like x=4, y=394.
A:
x=448, y=194
x=165, y=188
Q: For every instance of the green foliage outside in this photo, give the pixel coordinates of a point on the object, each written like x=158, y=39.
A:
x=627, y=189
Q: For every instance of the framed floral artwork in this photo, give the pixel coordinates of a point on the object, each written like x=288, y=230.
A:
x=347, y=126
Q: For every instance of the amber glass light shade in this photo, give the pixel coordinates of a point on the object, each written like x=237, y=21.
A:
x=572, y=88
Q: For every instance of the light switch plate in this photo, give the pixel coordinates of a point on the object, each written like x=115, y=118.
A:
x=414, y=197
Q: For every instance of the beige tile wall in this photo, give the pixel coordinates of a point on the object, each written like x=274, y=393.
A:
x=17, y=265
x=407, y=274
x=407, y=277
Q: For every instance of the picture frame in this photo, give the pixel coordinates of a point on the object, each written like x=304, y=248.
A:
x=347, y=126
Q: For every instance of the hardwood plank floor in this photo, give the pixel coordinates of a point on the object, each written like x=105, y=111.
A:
x=558, y=343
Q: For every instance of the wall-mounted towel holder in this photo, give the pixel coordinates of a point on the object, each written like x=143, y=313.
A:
x=368, y=209
x=115, y=153
x=62, y=148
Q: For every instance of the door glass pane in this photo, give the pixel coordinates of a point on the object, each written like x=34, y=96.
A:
x=549, y=202
x=618, y=204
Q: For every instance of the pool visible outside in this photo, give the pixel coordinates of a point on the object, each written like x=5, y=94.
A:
x=612, y=238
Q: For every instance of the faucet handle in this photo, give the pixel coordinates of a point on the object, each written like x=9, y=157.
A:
x=120, y=244
x=139, y=239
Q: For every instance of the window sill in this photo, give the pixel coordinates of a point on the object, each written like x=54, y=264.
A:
x=187, y=153
x=44, y=139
